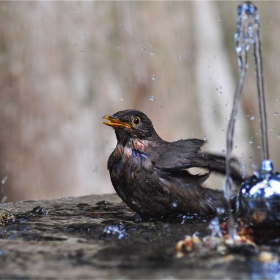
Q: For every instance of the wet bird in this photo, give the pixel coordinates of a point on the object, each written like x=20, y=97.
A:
x=151, y=175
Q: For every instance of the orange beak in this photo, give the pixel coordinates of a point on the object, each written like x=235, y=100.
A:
x=115, y=123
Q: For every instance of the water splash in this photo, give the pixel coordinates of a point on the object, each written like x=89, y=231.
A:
x=247, y=33
x=214, y=226
x=259, y=196
x=114, y=230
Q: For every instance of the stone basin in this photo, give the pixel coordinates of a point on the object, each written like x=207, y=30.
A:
x=97, y=237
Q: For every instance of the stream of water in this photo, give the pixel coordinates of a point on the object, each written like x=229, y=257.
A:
x=247, y=33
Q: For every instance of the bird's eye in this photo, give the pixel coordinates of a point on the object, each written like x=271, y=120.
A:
x=136, y=120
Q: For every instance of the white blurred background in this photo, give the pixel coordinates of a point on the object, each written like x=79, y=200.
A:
x=64, y=65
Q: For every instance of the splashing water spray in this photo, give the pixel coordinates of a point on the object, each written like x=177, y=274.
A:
x=259, y=198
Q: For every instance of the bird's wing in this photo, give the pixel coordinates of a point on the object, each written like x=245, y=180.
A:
x=181, y=154
x=184, y=154
x=190, y=195
x=183, y=177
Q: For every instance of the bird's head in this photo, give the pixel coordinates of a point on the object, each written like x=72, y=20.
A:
x=131, y=124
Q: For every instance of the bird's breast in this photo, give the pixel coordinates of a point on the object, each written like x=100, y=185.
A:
x=126, y=163
x=127, y=152
x=140, y=145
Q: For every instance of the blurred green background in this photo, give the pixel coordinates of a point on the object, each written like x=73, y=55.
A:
x=64, y=65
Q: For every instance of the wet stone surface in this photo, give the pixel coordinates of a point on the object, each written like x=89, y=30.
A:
x=97, y=237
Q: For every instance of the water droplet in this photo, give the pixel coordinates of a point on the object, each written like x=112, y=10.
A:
x=179, y=57
x=258, y=147
x=152, y=98
x=82, y=52
x=174, y=204
x=121, y=99
x=4, y=180
x=278, y=135
x=119, y=48
x=252, y=118
x=160, y=107
x=205, y=138
x=153, y=77
x=251, y=142
x=143, y=48
x=223, y=151
x=147, y=180
x=250, y=158
x=152, y=53
x=275, y=113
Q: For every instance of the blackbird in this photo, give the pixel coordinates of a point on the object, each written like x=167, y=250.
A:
x=150, y=174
